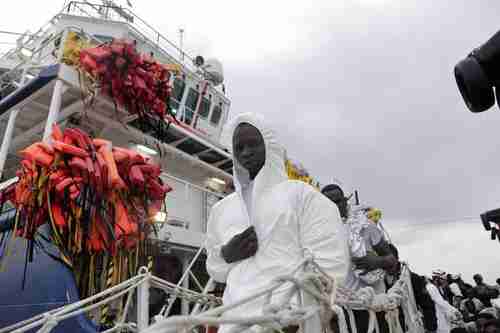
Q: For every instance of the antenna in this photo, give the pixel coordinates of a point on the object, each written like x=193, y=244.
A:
x=181, y=42
x=337, y=181
x=123, y=13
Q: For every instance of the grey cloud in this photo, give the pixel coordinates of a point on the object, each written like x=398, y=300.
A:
x=374, y=102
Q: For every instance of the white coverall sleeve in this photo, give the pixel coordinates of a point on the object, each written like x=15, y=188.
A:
x=439, y=300
x=323, y=233
x=216, y=266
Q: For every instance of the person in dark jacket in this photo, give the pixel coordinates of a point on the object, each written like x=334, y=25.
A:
x=422, y=298
x=484, y=292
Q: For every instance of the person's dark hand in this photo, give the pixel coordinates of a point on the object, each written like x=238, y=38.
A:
x=368, y=263
x=241, y=246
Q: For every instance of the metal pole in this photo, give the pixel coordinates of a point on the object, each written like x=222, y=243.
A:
x=9, y=131
x=7, y=138
x=182, y=282
x=312, y=324
x=55, y=107
x=208, y=286
x=181, y=43
x=143, y=305
x=185, y=284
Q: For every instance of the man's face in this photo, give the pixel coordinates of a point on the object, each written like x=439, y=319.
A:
x=478, y=279
x=249, y=148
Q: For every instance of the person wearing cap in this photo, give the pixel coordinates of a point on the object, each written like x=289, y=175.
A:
x=336, y=195
x=445, y=313
x=439, y=278
x=370, y=253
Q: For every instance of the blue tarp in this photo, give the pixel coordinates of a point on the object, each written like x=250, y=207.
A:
x=49, y=284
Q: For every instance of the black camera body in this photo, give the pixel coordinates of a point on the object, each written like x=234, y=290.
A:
x=478, y=76
x=491, y=223
x=478, y=79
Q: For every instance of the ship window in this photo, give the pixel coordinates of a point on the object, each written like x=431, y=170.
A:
x=178, y=91
x=104, y=39
x=174, y=106
x=192, y=99
x=204, y=107
x=216, y=114
x=188, y=116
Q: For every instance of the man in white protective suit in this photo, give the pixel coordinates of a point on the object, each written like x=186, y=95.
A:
x=445, y=313
x=261, y=231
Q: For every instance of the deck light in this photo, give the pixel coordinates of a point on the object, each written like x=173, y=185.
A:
x=146, y=150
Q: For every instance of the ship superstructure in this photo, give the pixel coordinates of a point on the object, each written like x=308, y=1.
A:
x=38, y=87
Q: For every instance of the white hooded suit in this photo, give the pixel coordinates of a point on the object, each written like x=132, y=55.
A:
x=288, y=216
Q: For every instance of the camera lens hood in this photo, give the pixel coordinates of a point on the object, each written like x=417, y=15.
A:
x=474, y=85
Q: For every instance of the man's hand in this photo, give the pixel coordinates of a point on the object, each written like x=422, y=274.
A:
x=371, y=262
x=368, y=263
x=241, y=246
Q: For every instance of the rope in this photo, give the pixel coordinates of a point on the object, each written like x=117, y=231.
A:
x=307, y=278
x=50, y=323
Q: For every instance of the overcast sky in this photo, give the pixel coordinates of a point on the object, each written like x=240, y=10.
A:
x=361, y=91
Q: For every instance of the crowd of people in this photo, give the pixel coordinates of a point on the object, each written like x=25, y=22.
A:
x=260, y=232
x=445, y=301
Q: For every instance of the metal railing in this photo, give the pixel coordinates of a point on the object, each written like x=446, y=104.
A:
x=144, y=30
x=149, y=35
x=48, y=52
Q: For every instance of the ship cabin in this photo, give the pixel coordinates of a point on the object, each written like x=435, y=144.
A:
x=38, y=87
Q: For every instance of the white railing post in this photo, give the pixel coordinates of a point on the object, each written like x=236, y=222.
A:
x=185, y=284
x=9, y=130
x=312, y=324
x=143, y=304
x=182, y=282
x=55, y=107
x=7, y=138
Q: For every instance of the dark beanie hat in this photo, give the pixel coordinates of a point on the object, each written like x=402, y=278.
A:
x=332, y=187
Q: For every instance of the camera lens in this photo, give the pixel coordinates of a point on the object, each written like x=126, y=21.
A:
x=474, y=85
x=486, y=223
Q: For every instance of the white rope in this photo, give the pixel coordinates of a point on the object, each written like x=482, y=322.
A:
x=274, y=316
x=50, y=322
x=328, y=297
x=341, y=320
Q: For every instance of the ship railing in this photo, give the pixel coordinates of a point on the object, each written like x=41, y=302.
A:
x=123, y=14
x=40, y=57
x=25, y=67
x=314, y=288
x=150, y=35
x=139, y=26
x=29, y=40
